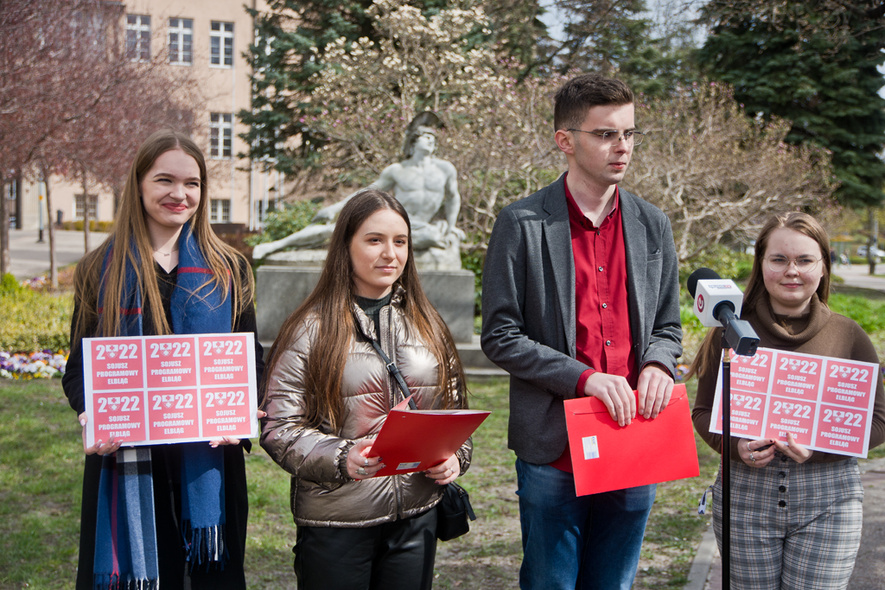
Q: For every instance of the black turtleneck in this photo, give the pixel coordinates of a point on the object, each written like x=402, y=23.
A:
x=372, y=307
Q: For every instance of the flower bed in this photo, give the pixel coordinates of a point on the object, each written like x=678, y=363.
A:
x=45, y=364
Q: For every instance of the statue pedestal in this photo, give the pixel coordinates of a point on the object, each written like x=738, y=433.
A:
x=281, y=289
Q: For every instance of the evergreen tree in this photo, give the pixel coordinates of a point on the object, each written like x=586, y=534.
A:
x=290, y=39
x=517, y=27
x=826, y=84
x=616, y=38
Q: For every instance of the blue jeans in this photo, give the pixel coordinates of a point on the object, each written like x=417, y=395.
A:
x=569, y=542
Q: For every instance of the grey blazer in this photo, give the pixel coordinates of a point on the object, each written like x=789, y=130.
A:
x=528, y=308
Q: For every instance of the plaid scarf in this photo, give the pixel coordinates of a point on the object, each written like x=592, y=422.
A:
x=126, y=537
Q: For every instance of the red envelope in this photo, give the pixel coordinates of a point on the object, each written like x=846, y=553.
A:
x=606, y=457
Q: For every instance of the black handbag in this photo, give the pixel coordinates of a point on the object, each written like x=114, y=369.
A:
x=452, y=513
x=454, y=509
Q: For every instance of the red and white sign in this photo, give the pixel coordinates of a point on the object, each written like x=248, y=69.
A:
x=826, y=403
x=170, y=389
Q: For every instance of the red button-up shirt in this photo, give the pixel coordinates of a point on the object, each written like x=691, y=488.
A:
x=603, y=336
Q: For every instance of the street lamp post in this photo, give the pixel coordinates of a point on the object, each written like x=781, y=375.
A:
x=40, y=217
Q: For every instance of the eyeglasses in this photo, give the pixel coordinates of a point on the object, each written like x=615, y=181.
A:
x=782, y=263
x=614, y=136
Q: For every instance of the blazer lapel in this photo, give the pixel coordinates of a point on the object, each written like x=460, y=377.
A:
x=635, y=248
x=557, y=238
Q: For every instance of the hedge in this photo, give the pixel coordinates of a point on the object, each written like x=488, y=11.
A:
x=34, y=320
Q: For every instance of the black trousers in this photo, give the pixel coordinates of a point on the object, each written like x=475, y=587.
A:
x=398, y=555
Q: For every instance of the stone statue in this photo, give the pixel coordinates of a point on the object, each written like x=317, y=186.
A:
x=425, y=185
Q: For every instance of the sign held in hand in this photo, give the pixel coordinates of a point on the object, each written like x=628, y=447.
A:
x=825, y=402
x=170, y=389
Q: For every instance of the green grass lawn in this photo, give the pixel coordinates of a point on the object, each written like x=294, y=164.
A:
x=40, y=487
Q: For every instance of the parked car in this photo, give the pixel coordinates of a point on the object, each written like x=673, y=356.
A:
x=862, y=252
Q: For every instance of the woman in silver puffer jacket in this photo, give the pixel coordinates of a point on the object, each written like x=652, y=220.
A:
x=328, y=393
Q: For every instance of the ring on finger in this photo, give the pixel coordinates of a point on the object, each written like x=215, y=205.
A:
x=362, y=471
x=752, y=458
x=365, y=461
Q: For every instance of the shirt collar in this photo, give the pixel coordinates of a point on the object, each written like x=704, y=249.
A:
x=574, y=211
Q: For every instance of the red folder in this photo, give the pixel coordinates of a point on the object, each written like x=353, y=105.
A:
x=413, y=440
x=607, y=457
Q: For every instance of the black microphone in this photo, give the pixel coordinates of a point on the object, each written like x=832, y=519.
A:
x=718, y=303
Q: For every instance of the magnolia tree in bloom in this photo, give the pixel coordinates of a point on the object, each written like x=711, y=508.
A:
x=718, y=174
x=498, y=132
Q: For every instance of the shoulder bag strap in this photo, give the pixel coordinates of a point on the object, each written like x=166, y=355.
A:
x=391, y=367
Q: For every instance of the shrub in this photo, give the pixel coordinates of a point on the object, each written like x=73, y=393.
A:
x=10, y=285
x=34, y=320
x=725, y=261
x=869, y=313
x=283, y=222
x=473, y=261
x=94, y=225
x=693, y=332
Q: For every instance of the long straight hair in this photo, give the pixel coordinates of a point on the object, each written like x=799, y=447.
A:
x=800, y=222
x=130, y=228
x=332, y=302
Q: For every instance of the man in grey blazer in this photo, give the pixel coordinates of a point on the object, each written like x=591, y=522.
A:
x=581, y=298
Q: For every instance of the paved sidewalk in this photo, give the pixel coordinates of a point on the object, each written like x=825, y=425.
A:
x=857, y=275
x=30, y=258
x=869, y=570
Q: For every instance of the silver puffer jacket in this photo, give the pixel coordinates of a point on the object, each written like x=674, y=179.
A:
x=322, y=494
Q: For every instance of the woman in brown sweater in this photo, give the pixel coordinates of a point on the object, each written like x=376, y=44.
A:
x=796, y=514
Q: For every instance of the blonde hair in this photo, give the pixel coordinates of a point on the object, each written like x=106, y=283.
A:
x=130, y=227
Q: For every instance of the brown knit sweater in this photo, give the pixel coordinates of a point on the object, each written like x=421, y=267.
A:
x=821, y=332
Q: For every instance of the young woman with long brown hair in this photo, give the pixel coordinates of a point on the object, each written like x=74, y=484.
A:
x=173, y=513
x=795, y=513
x=328, y=392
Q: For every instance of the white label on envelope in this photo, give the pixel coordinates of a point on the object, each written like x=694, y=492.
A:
x=408, y=465
x=591, y=448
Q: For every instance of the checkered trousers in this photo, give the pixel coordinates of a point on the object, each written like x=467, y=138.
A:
x=793, y=526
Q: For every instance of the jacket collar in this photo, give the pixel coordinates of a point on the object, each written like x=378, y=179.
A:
x=366, y=324
x=557, y=238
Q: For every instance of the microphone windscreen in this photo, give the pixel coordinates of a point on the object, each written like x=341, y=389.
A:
x=701, y=274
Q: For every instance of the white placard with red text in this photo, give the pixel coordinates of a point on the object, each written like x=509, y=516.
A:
x=170, y=389
x=825, y=402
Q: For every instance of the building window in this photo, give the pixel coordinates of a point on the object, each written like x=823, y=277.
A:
x=181, y=36
x=10, y=190
x=265, y=207
x=221, y=44
x=78, y=207
x=221, y=135
x=219, y=211
x=138, y=37
x=10, y=193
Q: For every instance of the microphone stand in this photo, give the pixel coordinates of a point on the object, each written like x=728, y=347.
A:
x=737, y=335
x=740, y=337
x=726, y=464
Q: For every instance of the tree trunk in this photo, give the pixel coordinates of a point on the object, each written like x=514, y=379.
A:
x=53, y=271
x=85, y=210
x=4, y=231
x=873, y=245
